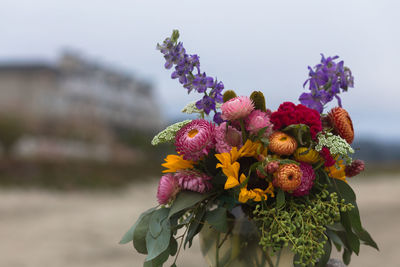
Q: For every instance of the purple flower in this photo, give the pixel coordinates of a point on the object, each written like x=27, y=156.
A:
x=201, y=82
x=326, y=81
x=206, y=103
x=175, y=55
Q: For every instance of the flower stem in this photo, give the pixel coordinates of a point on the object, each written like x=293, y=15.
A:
x=244, y=136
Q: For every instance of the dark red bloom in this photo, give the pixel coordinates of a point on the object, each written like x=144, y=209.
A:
x=288, y=114
x=355, y=168
x=326, y=155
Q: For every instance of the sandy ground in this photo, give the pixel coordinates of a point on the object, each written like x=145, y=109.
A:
x=42, y=228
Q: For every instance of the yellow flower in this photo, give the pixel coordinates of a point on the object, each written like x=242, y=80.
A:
x=311, y=157
x=230, y=167
x=337, y=171
x=174, y=163
x=256, y=194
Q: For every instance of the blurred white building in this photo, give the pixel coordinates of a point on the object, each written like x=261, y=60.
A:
x=76, y=98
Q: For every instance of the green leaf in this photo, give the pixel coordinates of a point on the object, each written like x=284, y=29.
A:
x=327, y=254
x=128, y=236
x=300, y=132
x=344, y=191
x=366, y=237
x=346, y=256
x=288, y=161
x=280, y=199
x=335, y=239
x=352, y=239
x=157, y=261
x=195, y=226
x=173, y=246
x=173, y=265
x=139, y=235
x=158, y=245
x=355, y=220
x=217, y=219
x=156, y=220
x=185, y=200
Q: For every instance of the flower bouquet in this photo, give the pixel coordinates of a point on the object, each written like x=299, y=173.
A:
x=255, y=183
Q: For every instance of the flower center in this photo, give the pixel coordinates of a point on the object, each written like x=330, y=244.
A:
x=193, y=133
x=283, y=138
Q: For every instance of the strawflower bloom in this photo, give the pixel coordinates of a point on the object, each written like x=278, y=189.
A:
x=307, y=155
x=193, y=181
x=307, y=180
x=227, y=137
x=237, y=108
x=168, y=187
x=282, y=144
x=288, y=177
x=326, y=81
x=342, y=123
x=195, y=139
x=258, y=120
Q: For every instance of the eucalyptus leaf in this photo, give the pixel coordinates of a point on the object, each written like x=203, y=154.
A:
x=139, y=235
x=343, y=190
x=128, y=236
x=156, y=220
x=185, y=200
x=346, y=256
x=327, y=253
x=280, y=199
x=195, y=226
x=158, y=245
x=353, y=240
x=300, y=132
x=367, y=239
x=217, y=218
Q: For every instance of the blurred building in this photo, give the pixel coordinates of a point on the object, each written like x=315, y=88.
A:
x=76, y=98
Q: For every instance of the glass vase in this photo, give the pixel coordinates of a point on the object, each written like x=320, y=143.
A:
x=239, y=247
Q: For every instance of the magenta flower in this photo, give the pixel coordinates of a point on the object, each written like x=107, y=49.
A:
x=237, y=108
x=168, y=187
x=226, y=138
x=258, y=120
x=307, y=180
x=193, y=181
x=195, y=139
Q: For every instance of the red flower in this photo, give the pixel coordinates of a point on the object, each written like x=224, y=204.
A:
x=326, y=155
x=288, y=114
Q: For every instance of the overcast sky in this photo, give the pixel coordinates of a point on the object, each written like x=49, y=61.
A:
x=249, y=45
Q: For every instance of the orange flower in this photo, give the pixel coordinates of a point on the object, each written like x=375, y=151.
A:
x=342, y=123
x=282, y=144
x=337, y=171
x=288, y=177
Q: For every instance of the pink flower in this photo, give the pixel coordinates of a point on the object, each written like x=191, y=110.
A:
x=193, y=181
x=168, y=187
x=237, y=108
x=307, y=180
x=258, y=120
x=195, y=139
x=226, y=138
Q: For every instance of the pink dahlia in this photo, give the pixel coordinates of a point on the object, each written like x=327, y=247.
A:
x=168, y=187
x=195, y=139
x=258, y=120
x=193, y=181
x=307, y=180
x=226, y=138
x=237, y=108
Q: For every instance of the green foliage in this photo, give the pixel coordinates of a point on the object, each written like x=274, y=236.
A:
x=300, y=132
x=217, y=218
x=258, y=100
x=228, y=95
x=300, y=224
x=185, y=200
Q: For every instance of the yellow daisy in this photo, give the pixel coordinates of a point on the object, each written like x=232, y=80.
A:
x=337, y=171
x=230, y=167
x=174, y=163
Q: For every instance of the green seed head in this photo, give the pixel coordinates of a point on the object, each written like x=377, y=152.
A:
x=258, y=100
x=228, y=95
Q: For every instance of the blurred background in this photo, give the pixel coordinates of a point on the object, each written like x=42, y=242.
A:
x=83, y=91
